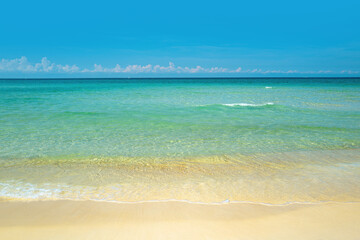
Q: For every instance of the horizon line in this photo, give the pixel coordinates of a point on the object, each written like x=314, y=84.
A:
x=151, y=78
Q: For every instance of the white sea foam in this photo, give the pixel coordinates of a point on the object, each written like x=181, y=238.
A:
x=30, y=192
x=247, y=104
x=268, y=87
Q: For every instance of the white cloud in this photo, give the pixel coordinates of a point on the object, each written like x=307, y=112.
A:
x=350, y=72
x=294, y=71
x=45, y=65
x=68, y=68
x=23, y=65
x=17, y=64
x=171, y=68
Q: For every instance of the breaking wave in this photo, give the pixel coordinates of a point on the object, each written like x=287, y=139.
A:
x=248, y=104
x=240, y=104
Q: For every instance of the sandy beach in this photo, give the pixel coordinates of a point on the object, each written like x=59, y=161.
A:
x=177, y=220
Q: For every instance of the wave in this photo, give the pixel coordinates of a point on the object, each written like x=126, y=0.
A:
x=30, y=192
x=248, y=104
x=239, y=104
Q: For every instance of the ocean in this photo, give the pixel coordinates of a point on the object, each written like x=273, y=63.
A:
x=271, y=141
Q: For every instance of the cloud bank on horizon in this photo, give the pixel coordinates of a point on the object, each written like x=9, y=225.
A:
x=22, y=65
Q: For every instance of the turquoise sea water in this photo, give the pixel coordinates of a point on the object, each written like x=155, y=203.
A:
x=103, y=122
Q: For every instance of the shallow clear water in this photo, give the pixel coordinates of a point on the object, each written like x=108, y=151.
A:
x=156, y=125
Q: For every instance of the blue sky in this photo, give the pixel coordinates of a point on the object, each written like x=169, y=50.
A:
x=179, y=38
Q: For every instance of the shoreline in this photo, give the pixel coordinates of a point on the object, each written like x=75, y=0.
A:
x=277, y=178
x=63, y=219
x=220, y=203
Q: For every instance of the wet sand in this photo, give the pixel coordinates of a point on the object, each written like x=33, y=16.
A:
x=177, y=220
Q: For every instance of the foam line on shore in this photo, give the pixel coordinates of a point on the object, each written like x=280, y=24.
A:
x=225, y=202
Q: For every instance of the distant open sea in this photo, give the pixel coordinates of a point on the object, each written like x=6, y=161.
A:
x=270, y=141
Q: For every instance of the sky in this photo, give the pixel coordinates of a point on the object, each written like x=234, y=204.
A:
x=227, y=38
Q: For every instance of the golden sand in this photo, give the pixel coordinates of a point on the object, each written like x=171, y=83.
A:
x=177, y=220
